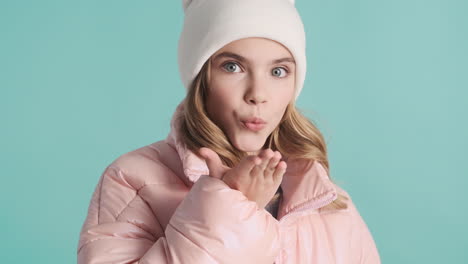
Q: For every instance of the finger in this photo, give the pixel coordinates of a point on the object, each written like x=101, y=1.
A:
x=248, y=164
x=271, y=167
x=213, y=161
x=268, y=154
x=274, y=161
x=265, y=156
x=280, y=170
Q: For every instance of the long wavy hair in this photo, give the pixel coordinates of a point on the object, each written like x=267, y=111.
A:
x=295, y=137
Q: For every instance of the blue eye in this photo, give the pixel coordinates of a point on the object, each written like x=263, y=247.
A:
x=276, y=71
x=232, y=66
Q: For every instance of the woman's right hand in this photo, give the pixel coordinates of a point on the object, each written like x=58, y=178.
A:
x=256, y=176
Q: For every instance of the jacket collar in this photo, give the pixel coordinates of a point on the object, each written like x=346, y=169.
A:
x=306, y=186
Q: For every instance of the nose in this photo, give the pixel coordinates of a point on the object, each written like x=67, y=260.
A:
x=257, y=91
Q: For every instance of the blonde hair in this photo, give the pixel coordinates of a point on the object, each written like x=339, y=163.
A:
x=295, y=137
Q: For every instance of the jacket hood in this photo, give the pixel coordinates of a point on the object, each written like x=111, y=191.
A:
x=305, y=185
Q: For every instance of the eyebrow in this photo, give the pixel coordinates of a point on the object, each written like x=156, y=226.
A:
x=242, y=59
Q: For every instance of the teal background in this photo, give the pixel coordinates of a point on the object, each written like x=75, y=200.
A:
x=83, y=82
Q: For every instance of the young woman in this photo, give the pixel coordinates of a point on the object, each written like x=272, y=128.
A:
x=243, y=177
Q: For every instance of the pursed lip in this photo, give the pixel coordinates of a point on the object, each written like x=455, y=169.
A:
x=254, y=120
x=253, y=123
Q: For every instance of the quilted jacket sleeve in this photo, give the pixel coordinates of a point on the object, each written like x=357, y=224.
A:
x=364, y=249
x=212, y=224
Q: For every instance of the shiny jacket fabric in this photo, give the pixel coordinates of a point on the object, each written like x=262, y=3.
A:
x=156, y=204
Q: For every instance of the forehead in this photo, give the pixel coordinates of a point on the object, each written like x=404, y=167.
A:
x=255, y=49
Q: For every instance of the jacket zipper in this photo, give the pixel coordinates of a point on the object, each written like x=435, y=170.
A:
x=300, y=209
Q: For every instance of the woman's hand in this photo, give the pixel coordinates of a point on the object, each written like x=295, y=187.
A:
x=256, y=176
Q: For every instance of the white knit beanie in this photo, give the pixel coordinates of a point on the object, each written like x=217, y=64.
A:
x=211, y=24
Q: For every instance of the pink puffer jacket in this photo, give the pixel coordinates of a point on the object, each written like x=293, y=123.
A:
x=156, y=204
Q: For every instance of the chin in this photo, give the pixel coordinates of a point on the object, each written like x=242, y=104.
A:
x=249, y=144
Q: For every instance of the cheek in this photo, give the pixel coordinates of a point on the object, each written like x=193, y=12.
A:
x=287, y=94
x=281, y=101
x=223, y=95
x=220, y=106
